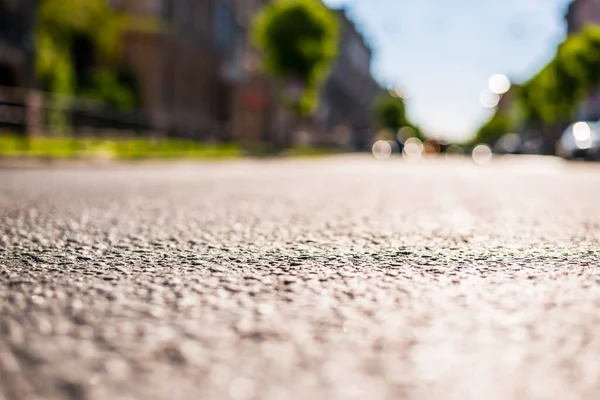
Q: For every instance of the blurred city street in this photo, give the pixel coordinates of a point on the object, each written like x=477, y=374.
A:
x=326, y=278
x=299, y=199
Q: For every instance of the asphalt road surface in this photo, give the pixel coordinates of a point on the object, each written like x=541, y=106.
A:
x=341, y=278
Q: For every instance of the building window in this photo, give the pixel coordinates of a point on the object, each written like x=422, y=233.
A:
x=223, y=25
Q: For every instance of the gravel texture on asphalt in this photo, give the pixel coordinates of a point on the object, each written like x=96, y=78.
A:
x=340, y=278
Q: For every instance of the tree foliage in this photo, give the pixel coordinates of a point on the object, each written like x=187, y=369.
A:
x=299, y=41
x=60, y=24
x=506, y=118
x=551, y=97
x=390, y=114
x=493, y=129
x=554, y=93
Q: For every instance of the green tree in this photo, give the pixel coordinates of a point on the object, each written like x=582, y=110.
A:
x=553, y=94
x=299, y=41
x=579, y=57
x=65, y=26
x=109, y=87
x=492, y=130
x=525, y=100
x=551, y=97
x=390, y=114
x=507, y=118
x=59, y=22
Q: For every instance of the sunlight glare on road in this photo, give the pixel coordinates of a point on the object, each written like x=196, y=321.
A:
x=499, y=84
x=382, y=150
x=482, y=154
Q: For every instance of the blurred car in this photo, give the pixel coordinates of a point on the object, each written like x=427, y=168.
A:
x=580, y=140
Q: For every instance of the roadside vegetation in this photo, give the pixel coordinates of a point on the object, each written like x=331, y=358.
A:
x=66, y=148
x=550, y=98
x=132, y=149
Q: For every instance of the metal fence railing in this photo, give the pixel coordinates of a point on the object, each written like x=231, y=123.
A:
x=39, y=113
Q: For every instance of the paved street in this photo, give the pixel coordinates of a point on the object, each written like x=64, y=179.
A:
x=341, y=278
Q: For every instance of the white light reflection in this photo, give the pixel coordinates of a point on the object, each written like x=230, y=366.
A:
x=382, y=150
x=413, y=149
x=582, y=131
x=489, y=99
x=482, y=154
x=499, y=84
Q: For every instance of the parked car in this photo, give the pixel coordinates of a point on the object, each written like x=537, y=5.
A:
x=580, y=140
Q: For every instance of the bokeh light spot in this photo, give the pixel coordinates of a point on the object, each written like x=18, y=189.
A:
x=413, y=149
x=404, y=133
x=454, y=150
x=482, y=154
x=499, y=84
x=431, y=148
x=489, y=99
x=509, y=143
x=582, y=131
x=382, y=150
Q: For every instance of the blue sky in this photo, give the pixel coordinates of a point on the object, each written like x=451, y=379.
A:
x=442, y=52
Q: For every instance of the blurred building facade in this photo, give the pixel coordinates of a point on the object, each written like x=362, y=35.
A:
x=198, y=72
x=344, y=115
x=581, y=13
x=180, y=65
x=16, y=42
x=258, y=116
x=199, y=76
x=17, y=70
